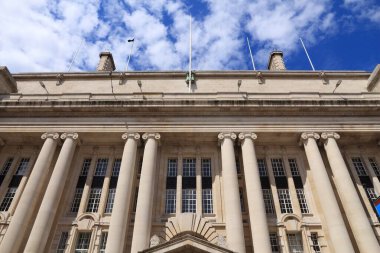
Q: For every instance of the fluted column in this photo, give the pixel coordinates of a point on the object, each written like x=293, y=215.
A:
x=334, y=221
x=28, y=202
x=143, y=218
x=357, y=218
x=123, y=195
x=234, y=221
x=256, y=206
x=49, y=206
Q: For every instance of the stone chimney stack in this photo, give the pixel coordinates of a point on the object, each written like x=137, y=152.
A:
x=276, y=61
x=106, y=62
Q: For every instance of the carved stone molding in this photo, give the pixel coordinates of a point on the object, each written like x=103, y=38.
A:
x=147, y=136
x=222, y=136
x=306, y=136
x=127, y=136
x=327, y=135
x=250, y=135
x=73, y=136
x=54, y=136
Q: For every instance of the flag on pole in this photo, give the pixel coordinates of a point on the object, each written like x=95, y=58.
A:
x=131, y=40
x=377, y=205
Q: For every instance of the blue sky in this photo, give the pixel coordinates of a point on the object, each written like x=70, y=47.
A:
x=43, y=35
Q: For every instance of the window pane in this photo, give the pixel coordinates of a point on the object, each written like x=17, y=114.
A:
x=110, y=200
x=83, y=243
x=7, y=165
x=116, y=167
x=207, y=201
x=170, y=205
x=302, y=200
x=278, y=167
x=359, y=166
x=295, y=243
x=374, y=166
x=7, y=201
x=372, y=196
x=172, y=168
x=189, y=167
x=101, y=167
x=189, y=200
x=206, y=167
x=268, y=201
x=293, y=167
x=22, y=166
x=285, y=202
x=76, y=200
x=103, y=242
x=262, y=167
x=85, y=167
x=62, y=242
x=94, y=199
x=274, y=243
x=315, y=243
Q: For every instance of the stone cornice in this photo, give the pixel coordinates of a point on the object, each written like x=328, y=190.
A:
x=7, y=82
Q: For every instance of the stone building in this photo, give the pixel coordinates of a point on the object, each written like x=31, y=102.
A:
x=240, y=161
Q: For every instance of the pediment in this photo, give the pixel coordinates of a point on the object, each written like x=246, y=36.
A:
x=187, y=243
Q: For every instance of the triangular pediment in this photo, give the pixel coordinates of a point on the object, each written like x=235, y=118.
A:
x=187, y=243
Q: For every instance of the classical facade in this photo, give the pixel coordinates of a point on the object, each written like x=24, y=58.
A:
x=233, y=161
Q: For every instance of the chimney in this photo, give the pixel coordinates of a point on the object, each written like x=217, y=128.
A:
x=276, y=61
x=106, y=62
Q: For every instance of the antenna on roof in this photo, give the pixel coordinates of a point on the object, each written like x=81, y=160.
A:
x=307, y=54
x=130, y=53
x=75, y=55
x=250, y=52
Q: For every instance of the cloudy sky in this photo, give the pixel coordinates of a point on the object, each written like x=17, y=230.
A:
x=44, y=35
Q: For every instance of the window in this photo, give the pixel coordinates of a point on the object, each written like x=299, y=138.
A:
x=94, y=199
x=7, y=201
x=83, y=242
x=206, y=167
x=22, y=166
x=76, y=200
x=274, y=243
x=277, y=166
x=62, y=242
x=189, y=200
x=110, y=200
x=172, y=168
x=293, y=167
x=103, y=242
x=374, y=166
x=101, y=167
x=315, y=243
x=116, y=167
x=359, y=166
x=262, y=167
x=189, y=165
x=170, y=205
x=242, y=203
x=302, y=201
x=268, y=201
x=207, y=201
x=285, y=202
x=85, y=167
x=295, y=243
x=372, y=196
x=7, y=165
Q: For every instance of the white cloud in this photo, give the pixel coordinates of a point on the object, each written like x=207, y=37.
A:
x=364, y=9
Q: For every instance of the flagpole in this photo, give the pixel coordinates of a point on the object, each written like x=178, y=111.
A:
x=250, y=52
x=190, y=58
x=307, y=54
x=130, y=53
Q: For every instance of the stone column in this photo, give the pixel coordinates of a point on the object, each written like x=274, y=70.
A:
x=234, y=220
x=356, y=215
x=49, y=206
x=143, y=217
x=256, y=206
x=334, y=221
x=119, y=219
x=27, y=205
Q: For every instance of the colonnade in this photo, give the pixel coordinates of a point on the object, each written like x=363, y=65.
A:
x=333, y=220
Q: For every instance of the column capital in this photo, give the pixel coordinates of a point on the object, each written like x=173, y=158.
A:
x=327, y=135
x=249, y=135
x=306, y=136
x=229, y=135
x=73, y=136
x=127, y=136
x=54, y=136
x=147, y=136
